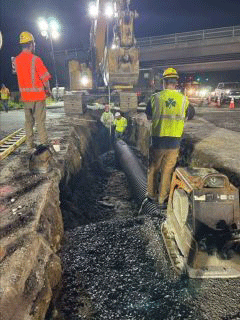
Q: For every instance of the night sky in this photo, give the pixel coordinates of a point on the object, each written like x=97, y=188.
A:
x=156, y=17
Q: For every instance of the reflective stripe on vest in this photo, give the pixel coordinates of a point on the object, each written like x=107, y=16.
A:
x=31, y=85
x=33, y=70
x=32, y=89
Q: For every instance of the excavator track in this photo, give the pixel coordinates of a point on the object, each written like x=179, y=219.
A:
x=11, y=143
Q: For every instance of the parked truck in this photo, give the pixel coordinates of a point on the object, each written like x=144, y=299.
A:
x=225, y=91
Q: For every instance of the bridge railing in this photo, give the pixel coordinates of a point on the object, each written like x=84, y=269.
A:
x=226, y=32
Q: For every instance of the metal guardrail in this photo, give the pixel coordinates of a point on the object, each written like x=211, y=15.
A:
x=226, y=32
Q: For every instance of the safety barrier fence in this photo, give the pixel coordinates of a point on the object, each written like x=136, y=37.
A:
x=226, y=32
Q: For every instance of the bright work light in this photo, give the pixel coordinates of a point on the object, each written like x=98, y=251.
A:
x=43, y=25
x=53, y=24
x=44, y=33
x=109, y=10
x=84, y=80
x=93, y=10
x=55, y=34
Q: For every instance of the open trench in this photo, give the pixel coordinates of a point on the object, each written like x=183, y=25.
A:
x=114, y=262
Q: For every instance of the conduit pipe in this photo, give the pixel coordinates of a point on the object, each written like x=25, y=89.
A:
x=136, y=177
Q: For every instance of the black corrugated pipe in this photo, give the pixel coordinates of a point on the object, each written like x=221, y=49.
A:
x=136, y=177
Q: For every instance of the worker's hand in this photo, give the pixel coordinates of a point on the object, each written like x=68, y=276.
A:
x=48, y=93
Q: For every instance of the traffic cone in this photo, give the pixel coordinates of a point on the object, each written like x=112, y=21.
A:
x=218, y=102
x=232, y=104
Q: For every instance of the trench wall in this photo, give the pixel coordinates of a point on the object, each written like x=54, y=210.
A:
x=203, y=145
x=31, y=224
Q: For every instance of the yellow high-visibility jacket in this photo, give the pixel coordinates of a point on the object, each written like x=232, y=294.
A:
x=5, y=93
x=121, y=124
x=169, y=108
x=107, y=119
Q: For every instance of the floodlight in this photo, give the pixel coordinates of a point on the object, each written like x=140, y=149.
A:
x=55, y=34
x=44, y=33
x=109, y=10
x=43, y=25
x=93, y=10
x=54, y=25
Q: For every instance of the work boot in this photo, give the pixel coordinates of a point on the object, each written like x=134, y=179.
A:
x=40, y=160
x=30, y=149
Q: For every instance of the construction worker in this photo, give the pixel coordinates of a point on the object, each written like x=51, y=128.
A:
x=167, y=109
x=107, y=117
x=120, y=124
x=33, y=81
x=5, y=95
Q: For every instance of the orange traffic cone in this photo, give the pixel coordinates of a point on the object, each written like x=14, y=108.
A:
x=232, y=104
x=218, y=102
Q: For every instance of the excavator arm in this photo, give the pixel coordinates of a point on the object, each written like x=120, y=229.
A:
x=98, y=35
x=118, y=63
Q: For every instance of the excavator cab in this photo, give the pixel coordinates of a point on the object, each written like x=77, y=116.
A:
x=202, y=227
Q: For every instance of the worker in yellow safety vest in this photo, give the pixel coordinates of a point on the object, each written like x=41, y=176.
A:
x=107, y=117
x=5, y=95
x=120, y=124
x=167, y=110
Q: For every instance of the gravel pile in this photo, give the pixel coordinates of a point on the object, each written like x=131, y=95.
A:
x=115, y=264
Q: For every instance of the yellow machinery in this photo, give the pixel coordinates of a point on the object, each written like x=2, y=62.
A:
x=121, y=59
x=202, y=229
x=80, y=76
x=115, y=64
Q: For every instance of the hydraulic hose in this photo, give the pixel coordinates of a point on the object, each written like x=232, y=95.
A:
x=136, y=178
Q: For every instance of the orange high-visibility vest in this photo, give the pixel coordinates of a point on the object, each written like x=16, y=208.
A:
x=32, y=76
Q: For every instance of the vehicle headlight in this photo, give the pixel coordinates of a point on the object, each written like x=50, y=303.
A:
x=203, y=92
x=227, y=91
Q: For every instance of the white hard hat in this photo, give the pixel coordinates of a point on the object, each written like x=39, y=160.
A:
x=117, y=114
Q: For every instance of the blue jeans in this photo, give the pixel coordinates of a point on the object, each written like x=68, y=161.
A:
x=5, y=105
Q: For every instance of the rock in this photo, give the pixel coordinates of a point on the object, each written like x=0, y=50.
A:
x=28, y=276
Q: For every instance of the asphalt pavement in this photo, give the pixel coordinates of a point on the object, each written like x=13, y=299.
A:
x=221, y=117
x=14, y=119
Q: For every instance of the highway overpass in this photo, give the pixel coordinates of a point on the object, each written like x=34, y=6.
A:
x=198, y=51
x=205, y=50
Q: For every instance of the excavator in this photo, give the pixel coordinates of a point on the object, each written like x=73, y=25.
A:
x=114, y=64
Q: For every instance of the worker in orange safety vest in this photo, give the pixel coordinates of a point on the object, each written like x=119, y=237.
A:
x=33, y=81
